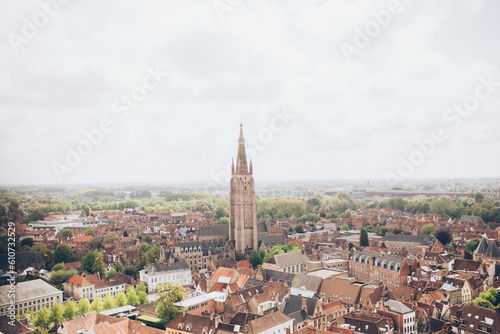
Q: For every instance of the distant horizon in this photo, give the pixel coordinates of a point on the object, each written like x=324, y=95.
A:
x=201, y=182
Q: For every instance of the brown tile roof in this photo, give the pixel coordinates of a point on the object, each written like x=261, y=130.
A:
x=72, y=265
x=268, y=321
x=339, y=289
x=437, y=295
x=195, y=323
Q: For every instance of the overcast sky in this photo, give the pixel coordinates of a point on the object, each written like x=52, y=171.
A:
x=354, y=105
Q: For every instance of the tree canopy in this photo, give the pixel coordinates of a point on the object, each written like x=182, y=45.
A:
x=428, y=229
x=363, y=238
x=169, y=294
x=63, y=253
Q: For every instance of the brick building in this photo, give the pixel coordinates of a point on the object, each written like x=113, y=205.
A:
x=390, y=270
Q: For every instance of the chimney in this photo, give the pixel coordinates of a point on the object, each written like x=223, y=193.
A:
x=304, y=304
x=217, y=320
x=382, y=306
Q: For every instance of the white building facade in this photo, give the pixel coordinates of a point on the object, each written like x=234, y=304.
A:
x=154, y=275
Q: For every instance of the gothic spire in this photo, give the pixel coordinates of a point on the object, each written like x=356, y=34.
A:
x=241, y=160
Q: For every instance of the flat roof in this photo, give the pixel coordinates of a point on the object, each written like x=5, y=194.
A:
x=326, y=273
x=116, y=310
x=201, y=299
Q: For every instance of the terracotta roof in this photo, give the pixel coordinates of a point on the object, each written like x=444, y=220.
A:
x=83, y=238
x=78, y=281
x=103, y=324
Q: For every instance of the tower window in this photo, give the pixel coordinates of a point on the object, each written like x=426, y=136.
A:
x=245, y=188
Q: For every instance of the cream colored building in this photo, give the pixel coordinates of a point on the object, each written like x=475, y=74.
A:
x=30, y=295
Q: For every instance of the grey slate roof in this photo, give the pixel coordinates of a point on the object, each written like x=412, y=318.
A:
x=309, y=282
x=277, y=276
x=397, y=307
x=298, y=317
x=271, y=240
x=492, y=250
x=261, y=227
x=213, y=230
x=289, y=259
x=482, y=247
x=22, y=259
x=28, y=290
x=294, y=304
x=420, y=239
x=189, y=244
x=165, y=267
x=379, y=259
x=488, y=248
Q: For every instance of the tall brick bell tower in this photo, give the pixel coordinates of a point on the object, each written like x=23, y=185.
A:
x=243, y=215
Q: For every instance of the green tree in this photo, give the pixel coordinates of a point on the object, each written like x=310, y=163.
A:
x=407, y=233
x=169, y=294
x=109, y=302
x=41, y=248
x=119, y=268
x=98, y=266
x=121, y=299
x=478, y=198
x=472, y=245
x=255, y=259
x=132, y=298
x=428, y=229
x=59, y=277
x=140, y=287
x=70, y=310
x=240, y=256
x=111, y=237
x=490, y=298
x=131, y=271
x=56, y=314
x=363, y=238
x=27, y=242
x=344, y=228
x=110, y=273
x=223, y=220
x=66, y=233
x=97, y=304
x=220, y=212
x=143, y=297
x=15, y=213
x=88, y=261
x=43, y=318
x=83, y=306
x=299, y=228
x=35, y=215
x=63, y=253
x=86, y=209
x=125, y=234
x=58, y=266
x=89, y=231
x=444, y=236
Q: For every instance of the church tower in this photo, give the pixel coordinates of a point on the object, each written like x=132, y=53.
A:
x=243, y=215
